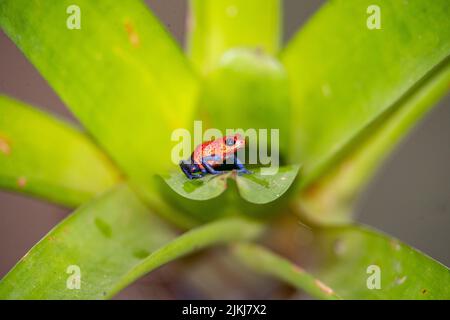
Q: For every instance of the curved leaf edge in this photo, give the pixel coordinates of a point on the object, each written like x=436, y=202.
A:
x=263, y=261
x=179, y=184
x=211, y=234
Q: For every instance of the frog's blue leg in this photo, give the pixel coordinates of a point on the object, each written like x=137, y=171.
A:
x=211, y=169
x=191, y=171
x=204, y=171
x=240, y=166
x=185, y=168
x=200, y=172
x=208, y=166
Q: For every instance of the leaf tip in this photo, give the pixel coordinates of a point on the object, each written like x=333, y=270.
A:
x=323, y=287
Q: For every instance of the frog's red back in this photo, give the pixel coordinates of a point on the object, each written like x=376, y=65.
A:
x=219, y=149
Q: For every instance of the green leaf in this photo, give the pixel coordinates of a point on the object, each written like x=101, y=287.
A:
x=261, y=189
x=105, y=238
x=49, y=158
x=331, y=198
x=254, y=187
x=214, y=26
x=228, y=204
x=263, y=261
x=219, y=232
x=113, y=240
x=249, y=91
x=206, y=188
x=351, y=77
x=121, y=74
x=346, y=253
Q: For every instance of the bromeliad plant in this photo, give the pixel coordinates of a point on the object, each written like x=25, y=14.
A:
x=341, y=94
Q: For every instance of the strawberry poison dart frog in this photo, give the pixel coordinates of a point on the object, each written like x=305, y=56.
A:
x=213, y=154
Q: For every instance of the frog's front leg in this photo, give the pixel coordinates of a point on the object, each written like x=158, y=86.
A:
x=240, y=166
x=192, y=171
x=208, y=167
x=197, y=175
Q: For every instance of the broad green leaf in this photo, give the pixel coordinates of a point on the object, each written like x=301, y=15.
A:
x=214, y=26
x=263, y=261
x=330, y=199
x=113, y=240
x=228, y=204
x=121, y=74
x=261, y=189
x=249, y=90
x=345, y=76
x=215, y=233
x=105, y=238
x=48, y=158
x=255, y=187
x=206, y=188
x=349, y=258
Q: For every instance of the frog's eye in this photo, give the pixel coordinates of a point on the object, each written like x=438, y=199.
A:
x=229, y=142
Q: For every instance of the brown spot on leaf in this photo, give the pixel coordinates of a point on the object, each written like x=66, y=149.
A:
x=5, y=146
x=395, y=245
x=22, y=182
x=297, y=269
x=133, y=37
x=322, y=286
x=424, y=291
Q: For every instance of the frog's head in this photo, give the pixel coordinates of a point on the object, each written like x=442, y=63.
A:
x=233, y=143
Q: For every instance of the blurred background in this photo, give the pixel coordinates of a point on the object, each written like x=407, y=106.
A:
x=409, y=197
